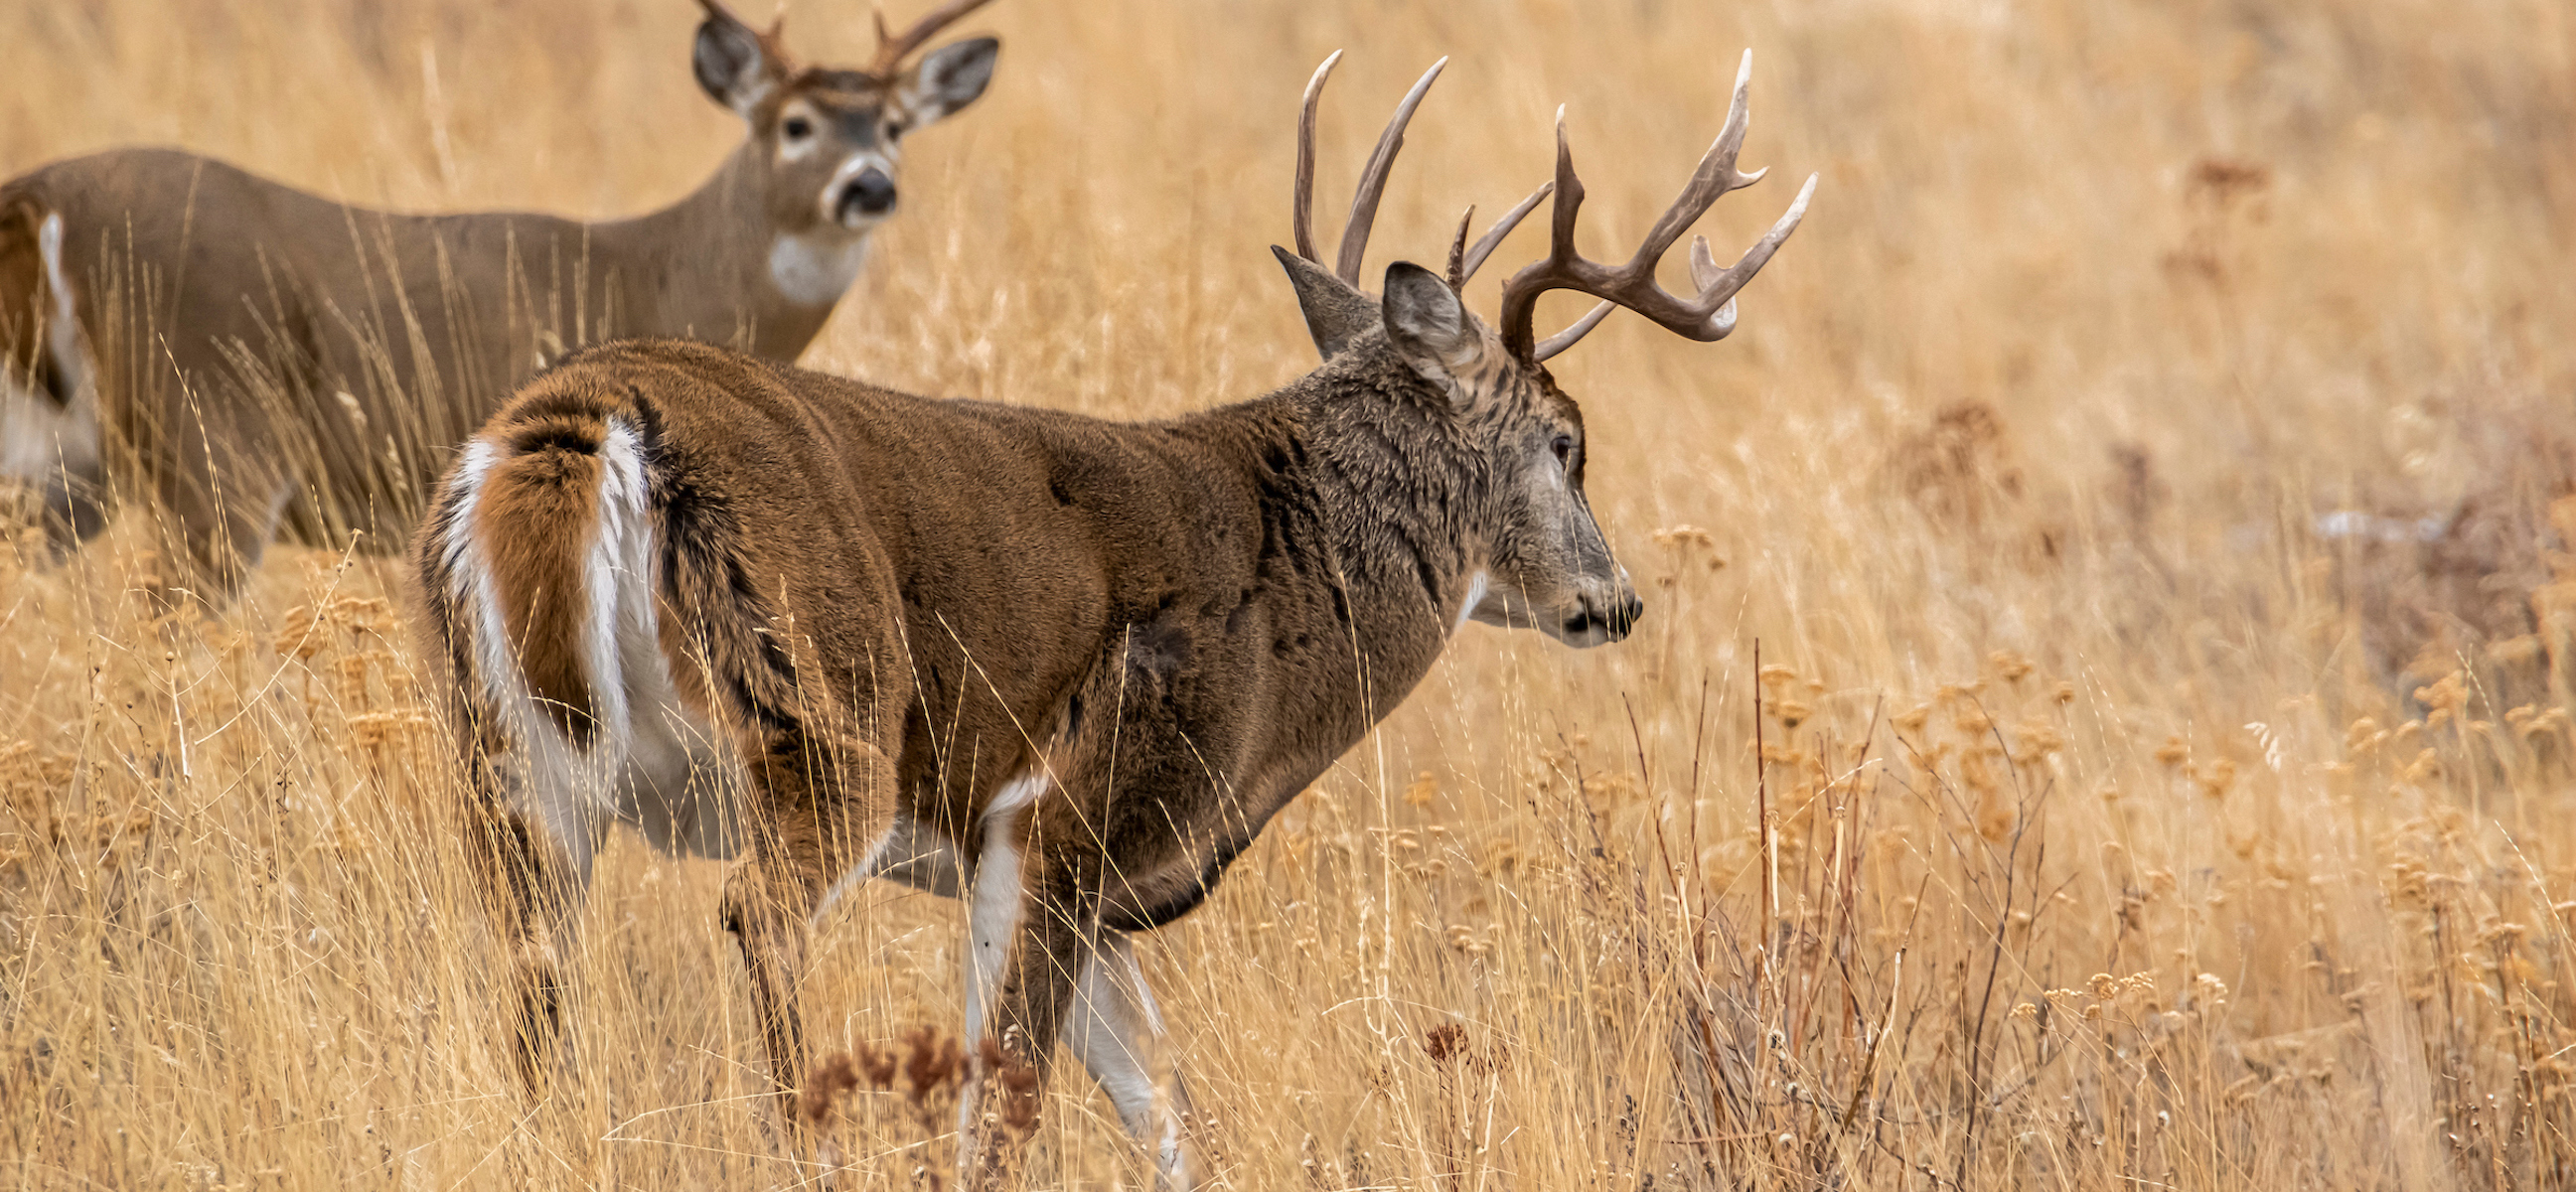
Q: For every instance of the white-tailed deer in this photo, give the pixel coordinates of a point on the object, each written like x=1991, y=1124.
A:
x=242, y=355
x=1062, y=668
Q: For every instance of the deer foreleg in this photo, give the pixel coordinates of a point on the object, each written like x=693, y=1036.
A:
x=218, y=514
x=1034, y=912
x=1117, y=1032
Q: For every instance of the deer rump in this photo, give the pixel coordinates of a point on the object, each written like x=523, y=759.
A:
x=664, y=563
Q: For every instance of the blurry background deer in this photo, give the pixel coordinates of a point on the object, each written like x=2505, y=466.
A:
x=234, y=357
x=2142, y=482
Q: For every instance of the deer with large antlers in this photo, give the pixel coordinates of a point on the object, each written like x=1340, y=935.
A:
x=1061, y=668
x=243, y=356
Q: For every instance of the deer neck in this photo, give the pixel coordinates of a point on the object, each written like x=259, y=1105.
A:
x=715, y=266
x=1401, y=506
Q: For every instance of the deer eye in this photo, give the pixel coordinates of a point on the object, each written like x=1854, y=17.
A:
x=894, y=130
x=1564, y=449
x=797, y=128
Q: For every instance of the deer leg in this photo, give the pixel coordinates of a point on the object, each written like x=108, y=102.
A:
x=217, y=520
x=75, y=507
x=1118, y=1035
x=1037, y=907
x=806, y=826
x=532, y=878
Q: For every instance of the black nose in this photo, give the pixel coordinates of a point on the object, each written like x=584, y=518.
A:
x=871, y=193
x=1625, y=617
x=1621, y=618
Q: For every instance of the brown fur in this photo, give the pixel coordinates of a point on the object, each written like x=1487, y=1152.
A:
x=898, y=604
x=260, y=345
x=545, y=482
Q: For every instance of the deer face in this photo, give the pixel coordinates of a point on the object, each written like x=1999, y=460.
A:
x=1544, y=560
x=829, y=140
x=1548, y=564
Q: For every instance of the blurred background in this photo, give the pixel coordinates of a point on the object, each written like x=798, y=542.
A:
x=2147, y=476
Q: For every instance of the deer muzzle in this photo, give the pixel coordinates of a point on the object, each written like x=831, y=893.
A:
x=1600, y=620
x=867, y=195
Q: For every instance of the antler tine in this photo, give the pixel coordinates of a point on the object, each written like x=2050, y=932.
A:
x=1493, y=237
x=1578, y=329
x=1710, y=314
x=891, y=51
x=1735, y=276
x=1521, y=291
x=1458, y=251
x=1303, y=212
x=1715, y=176
x=1355, y=234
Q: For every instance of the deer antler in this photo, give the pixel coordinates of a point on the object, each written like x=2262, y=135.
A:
x=892, y=50
x=1463, y=260
x=1707, y=317
x=1372, y=186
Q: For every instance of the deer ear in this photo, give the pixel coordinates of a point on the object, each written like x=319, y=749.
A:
x=1335, y=313
x=730, y=63
x=1428, y=327
x=949, y=78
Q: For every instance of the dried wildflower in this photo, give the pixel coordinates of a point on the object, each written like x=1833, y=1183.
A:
x=1424, y=790
x=1014, y=1085
x=2448, y=695
x=2211, y=990
x=823, y=1088
x=1445, y=1042
x=2216, y=780
x=2038, y=740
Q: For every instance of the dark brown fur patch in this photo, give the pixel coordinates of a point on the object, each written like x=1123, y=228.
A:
x=535, y=520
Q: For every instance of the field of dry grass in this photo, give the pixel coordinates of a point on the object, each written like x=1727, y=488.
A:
x=2146, y=478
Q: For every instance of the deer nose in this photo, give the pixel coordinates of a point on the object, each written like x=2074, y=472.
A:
x=871, y=193
x=1616, y=621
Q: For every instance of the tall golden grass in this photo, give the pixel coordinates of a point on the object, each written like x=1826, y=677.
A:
x=2145, y=479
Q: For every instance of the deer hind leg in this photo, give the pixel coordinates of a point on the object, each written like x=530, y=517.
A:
x=1117, y=1033
x=815, y=805
x=532, y=877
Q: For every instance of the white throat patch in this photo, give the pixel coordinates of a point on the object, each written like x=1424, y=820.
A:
x=813, y=271
x=1478, y=585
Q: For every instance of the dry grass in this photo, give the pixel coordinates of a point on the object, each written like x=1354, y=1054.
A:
x=2122, y=824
